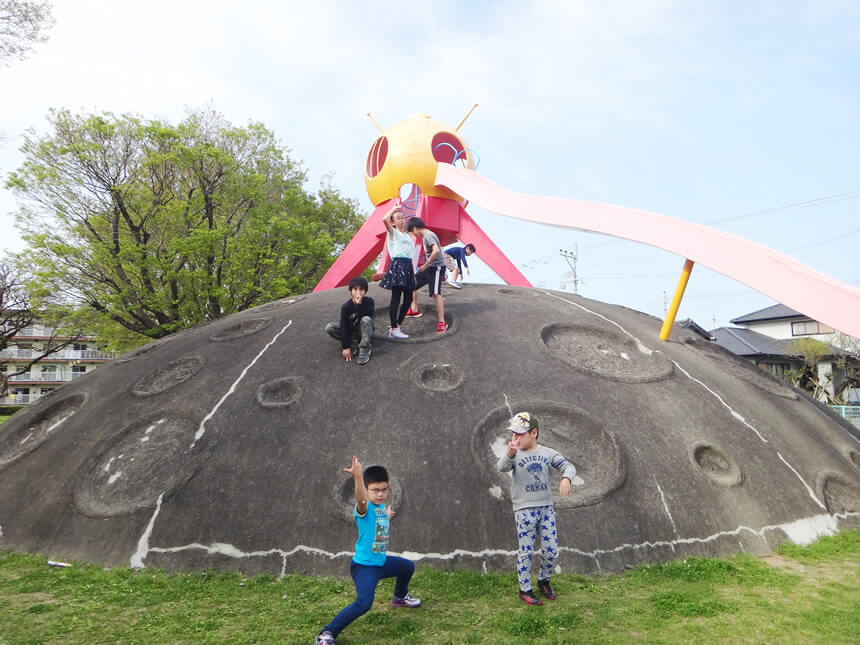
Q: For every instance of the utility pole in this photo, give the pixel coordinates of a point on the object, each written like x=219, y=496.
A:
x=571, y=257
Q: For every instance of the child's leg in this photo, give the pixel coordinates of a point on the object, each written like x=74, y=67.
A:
x=366, y=327
x=407, y=300
x=399, y=568
x=394, y=306
x=414, y=306
x=333, y=330
x=549, y=542
x=440, y=307
x=526, y=521
x=365, y=579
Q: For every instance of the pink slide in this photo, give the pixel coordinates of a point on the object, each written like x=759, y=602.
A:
x=769, y=272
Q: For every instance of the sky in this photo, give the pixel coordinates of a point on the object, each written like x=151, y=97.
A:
x=744, y=116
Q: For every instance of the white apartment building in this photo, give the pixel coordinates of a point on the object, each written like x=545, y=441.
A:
x=51, y=372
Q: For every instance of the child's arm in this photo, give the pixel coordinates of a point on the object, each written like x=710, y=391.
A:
x=434, y=253
x=388, y=220
x=506, y=461
x=568, y=472
x=358, y=479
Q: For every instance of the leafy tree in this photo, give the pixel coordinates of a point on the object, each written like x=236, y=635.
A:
x=811, y=352
x=848, y=361
x=156, y=227
x=22, y=22
x=16, y=314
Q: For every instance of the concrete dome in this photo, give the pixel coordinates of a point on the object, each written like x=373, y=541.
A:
x=222, y=446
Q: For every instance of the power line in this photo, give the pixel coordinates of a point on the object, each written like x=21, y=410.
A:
x=809, y=203
x=830, y=239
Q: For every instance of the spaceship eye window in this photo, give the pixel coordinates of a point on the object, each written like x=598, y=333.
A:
x=376, y=157
x=447, y=147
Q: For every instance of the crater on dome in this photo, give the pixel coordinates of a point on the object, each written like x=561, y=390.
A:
x=167, y=377
x=715, y=464
x=840, y=494
x=438, y=377
x=280, y=392
x=419, y=330
x=597, y=455
x=344, y=495
x=604, y=352
x=46, y=421
x=239, y=329
x=149, y=457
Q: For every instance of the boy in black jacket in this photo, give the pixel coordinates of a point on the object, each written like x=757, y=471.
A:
x=356, y=322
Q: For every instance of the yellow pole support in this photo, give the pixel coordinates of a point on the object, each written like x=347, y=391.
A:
x=676, y=300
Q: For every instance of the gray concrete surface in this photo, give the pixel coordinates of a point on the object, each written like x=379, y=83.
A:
x=222, y=446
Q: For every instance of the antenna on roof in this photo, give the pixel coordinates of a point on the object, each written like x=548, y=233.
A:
x=466, y=117
x=376, y=123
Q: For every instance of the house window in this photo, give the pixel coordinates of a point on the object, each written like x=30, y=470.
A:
x=78, y=370
x=49, y=373
x=45, y=390
x=80, y=347
x=779, y=370
x=809, y=327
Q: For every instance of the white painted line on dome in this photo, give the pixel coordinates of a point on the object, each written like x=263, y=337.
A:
x=735, y=414
x=508, y=405
x=202, y=429
x=25, y=439
x=803, y=531
x=731, y=410
x=114, y=477
x=137, y=558
x=496, y=492
x=666, y=508
x=642, y=348
x=808, y=488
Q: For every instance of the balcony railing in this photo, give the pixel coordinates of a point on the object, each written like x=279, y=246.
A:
x=53, y=377
x=65, y=354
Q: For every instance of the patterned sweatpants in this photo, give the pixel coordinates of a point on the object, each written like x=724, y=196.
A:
x=528, y=521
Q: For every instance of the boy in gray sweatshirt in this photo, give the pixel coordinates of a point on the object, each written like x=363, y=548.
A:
x=532, y=500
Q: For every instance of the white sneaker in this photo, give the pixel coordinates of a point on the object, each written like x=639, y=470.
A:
x=455, y=284
x=396, y=333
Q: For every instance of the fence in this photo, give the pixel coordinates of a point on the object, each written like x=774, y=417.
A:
x=850, y=413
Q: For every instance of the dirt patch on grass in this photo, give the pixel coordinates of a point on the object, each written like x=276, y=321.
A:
x=818, y=573
x=19, y=600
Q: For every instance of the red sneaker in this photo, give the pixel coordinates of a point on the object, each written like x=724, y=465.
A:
x=441, y=328
x=413, y=314
x=529, y=598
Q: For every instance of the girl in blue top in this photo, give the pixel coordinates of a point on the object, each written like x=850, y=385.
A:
x=399, y=278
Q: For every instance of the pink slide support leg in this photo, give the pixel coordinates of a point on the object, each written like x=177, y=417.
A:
x=359, y=253
x=470, y=232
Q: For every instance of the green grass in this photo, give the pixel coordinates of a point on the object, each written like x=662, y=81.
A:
x=3, y=417
x=802, y=595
